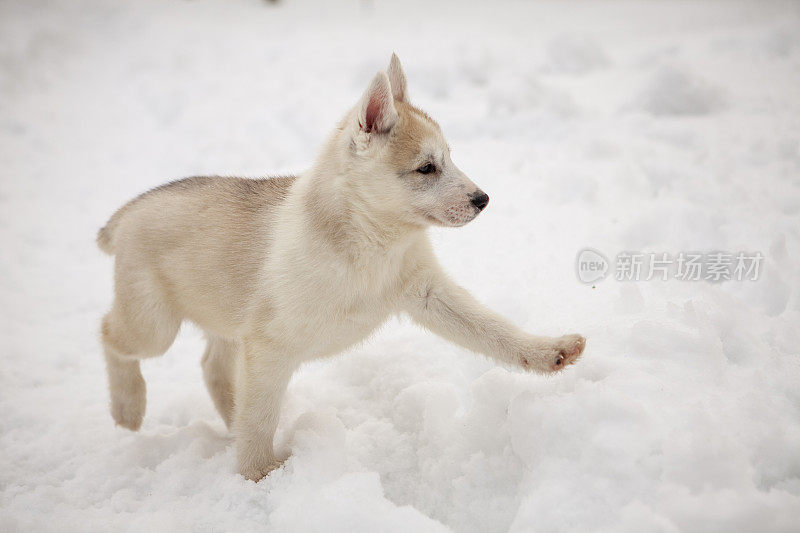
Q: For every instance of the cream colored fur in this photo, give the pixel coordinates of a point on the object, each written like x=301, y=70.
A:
x=285, y=270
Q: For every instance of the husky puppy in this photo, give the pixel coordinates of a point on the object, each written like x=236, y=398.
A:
x=284, y=270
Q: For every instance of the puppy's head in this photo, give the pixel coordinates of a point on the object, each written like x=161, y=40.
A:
x=399, y=161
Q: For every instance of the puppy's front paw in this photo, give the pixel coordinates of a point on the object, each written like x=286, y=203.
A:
x=257, y=472
x=569, y=348
x=553, y=354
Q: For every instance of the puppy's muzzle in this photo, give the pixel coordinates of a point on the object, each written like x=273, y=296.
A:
x=479, y=199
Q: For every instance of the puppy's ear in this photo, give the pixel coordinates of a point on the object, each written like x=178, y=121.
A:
x=397, y=79
x=376, y=111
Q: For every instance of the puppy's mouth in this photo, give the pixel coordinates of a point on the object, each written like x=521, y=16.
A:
x=453, y=217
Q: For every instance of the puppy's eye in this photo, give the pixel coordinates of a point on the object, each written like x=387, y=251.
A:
x=426, y=169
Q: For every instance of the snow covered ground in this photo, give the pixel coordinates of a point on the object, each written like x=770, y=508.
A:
x=622, y=126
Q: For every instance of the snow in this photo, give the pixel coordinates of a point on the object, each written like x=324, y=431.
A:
x=651, y=126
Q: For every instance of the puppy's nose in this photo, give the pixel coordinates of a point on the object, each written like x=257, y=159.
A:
x=479, y=199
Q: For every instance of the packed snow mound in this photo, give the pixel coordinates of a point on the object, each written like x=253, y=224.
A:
x=651, y=126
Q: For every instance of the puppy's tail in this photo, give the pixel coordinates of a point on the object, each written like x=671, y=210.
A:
x=105, y=237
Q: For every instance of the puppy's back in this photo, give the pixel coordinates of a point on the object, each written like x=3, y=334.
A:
x=200, y=241
x=251, y=195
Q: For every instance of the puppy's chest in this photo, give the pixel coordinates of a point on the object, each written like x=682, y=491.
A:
x=333, y=317
x=350, y=300
x=356, y=295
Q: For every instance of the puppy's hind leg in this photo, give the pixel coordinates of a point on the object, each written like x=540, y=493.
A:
x=218, y=371
x=130, y=333
x=128, y=390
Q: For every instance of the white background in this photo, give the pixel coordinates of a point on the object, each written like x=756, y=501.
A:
x=645, y=126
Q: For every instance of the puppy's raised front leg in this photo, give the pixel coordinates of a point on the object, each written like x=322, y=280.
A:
x=263, y=374
x=438, y=304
